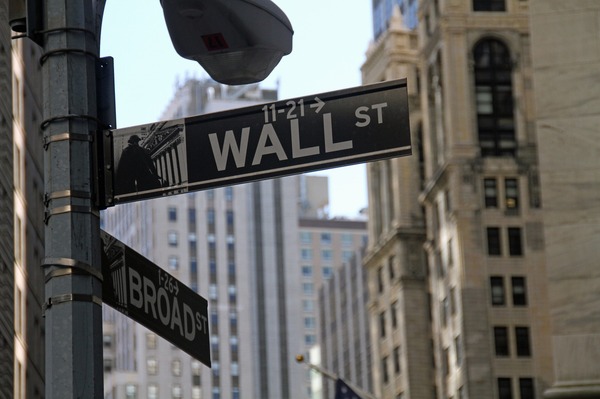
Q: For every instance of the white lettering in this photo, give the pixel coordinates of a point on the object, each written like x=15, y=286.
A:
x=176, y=317
x=298, y=152
x=364, y=119
x=360, y=113
x=149, y=296
x=166, y=316
x=379, y=108
x=201, y=322
x=330, y=146
x=268, y=132
x=188, y=322
x=135, y=289
x=229, y=144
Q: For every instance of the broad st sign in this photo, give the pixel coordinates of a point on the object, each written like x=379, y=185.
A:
x=299, y=135
x=146, y=293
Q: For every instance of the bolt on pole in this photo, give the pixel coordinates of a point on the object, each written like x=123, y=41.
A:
x=73, y=288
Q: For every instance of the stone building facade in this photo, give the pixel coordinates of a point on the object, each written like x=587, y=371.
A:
x=471, y=196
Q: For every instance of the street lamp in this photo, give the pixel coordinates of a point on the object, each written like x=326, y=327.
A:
x=235, y=41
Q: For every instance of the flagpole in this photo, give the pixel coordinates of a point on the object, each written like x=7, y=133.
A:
x=334, y=377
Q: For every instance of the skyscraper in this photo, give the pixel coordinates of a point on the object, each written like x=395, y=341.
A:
x=383, y=10
x=21, y=217
x=241, y=248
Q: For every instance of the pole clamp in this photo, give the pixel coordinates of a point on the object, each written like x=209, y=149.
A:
x=58, y=299
x=70, y=267
x=69, y=208
x=67, y=137
x=66, y=194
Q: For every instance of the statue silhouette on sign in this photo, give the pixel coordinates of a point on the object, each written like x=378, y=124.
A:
x=136, y=171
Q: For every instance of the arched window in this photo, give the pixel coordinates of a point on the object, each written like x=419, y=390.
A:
x=494, y=98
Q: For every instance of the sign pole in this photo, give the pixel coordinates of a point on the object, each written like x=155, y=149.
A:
x=73, y=288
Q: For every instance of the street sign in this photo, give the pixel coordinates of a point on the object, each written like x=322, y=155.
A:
x=152, y=297
x=360, y=124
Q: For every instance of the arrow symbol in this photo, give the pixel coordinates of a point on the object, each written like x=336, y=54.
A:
x=318, y=105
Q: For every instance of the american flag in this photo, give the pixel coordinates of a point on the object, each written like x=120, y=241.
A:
x=343, y=391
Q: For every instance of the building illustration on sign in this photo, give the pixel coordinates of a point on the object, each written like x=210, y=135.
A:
x=150, y=157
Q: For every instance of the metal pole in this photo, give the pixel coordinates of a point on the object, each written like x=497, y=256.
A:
x=73, y=288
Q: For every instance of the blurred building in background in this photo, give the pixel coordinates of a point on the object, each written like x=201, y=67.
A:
x=21, y=217
x=345, y=342
x=258, y=252
x=482, y=243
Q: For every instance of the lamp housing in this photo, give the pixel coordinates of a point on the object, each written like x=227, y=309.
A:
x=235, y=41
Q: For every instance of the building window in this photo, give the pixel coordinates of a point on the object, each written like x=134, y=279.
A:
x=229, y=193
x=310, y=322
x=173, y=262
x=391, y=267
x=150, y=341
x=526, y=388
x=384, y=370
x=326, y=255
x=176, y=367
x=489, y=5
x=446, y=362
x=308, y=288
x=151, y=366
x=212, y=292
x=393, y=313
x=131, y=391
x=519, y=291
x=444, y=311
x=307, y=271
x=326, y=238
x=515, y=245
x=192, y=216
x=522, y=338
x=172, y=238
x=310, y=339
x=327, y=272
x=172, y=214
x=382, y=324
x=305, y=237
x=235, y=369
x=490, y=193
x=493, y=241
x=497, y=289
x=459, y=350
x=306, y=254
x=501, y=341
x=511, y=193
x=494, y=97
x=176, y=391
x=152, y=391
x=380, y=280
x=504, y=388
x=308, y=305
x=346, y=240
x=232, y=292
x=397, y=368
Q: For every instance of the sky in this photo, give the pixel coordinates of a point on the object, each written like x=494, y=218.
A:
x=330, y=40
